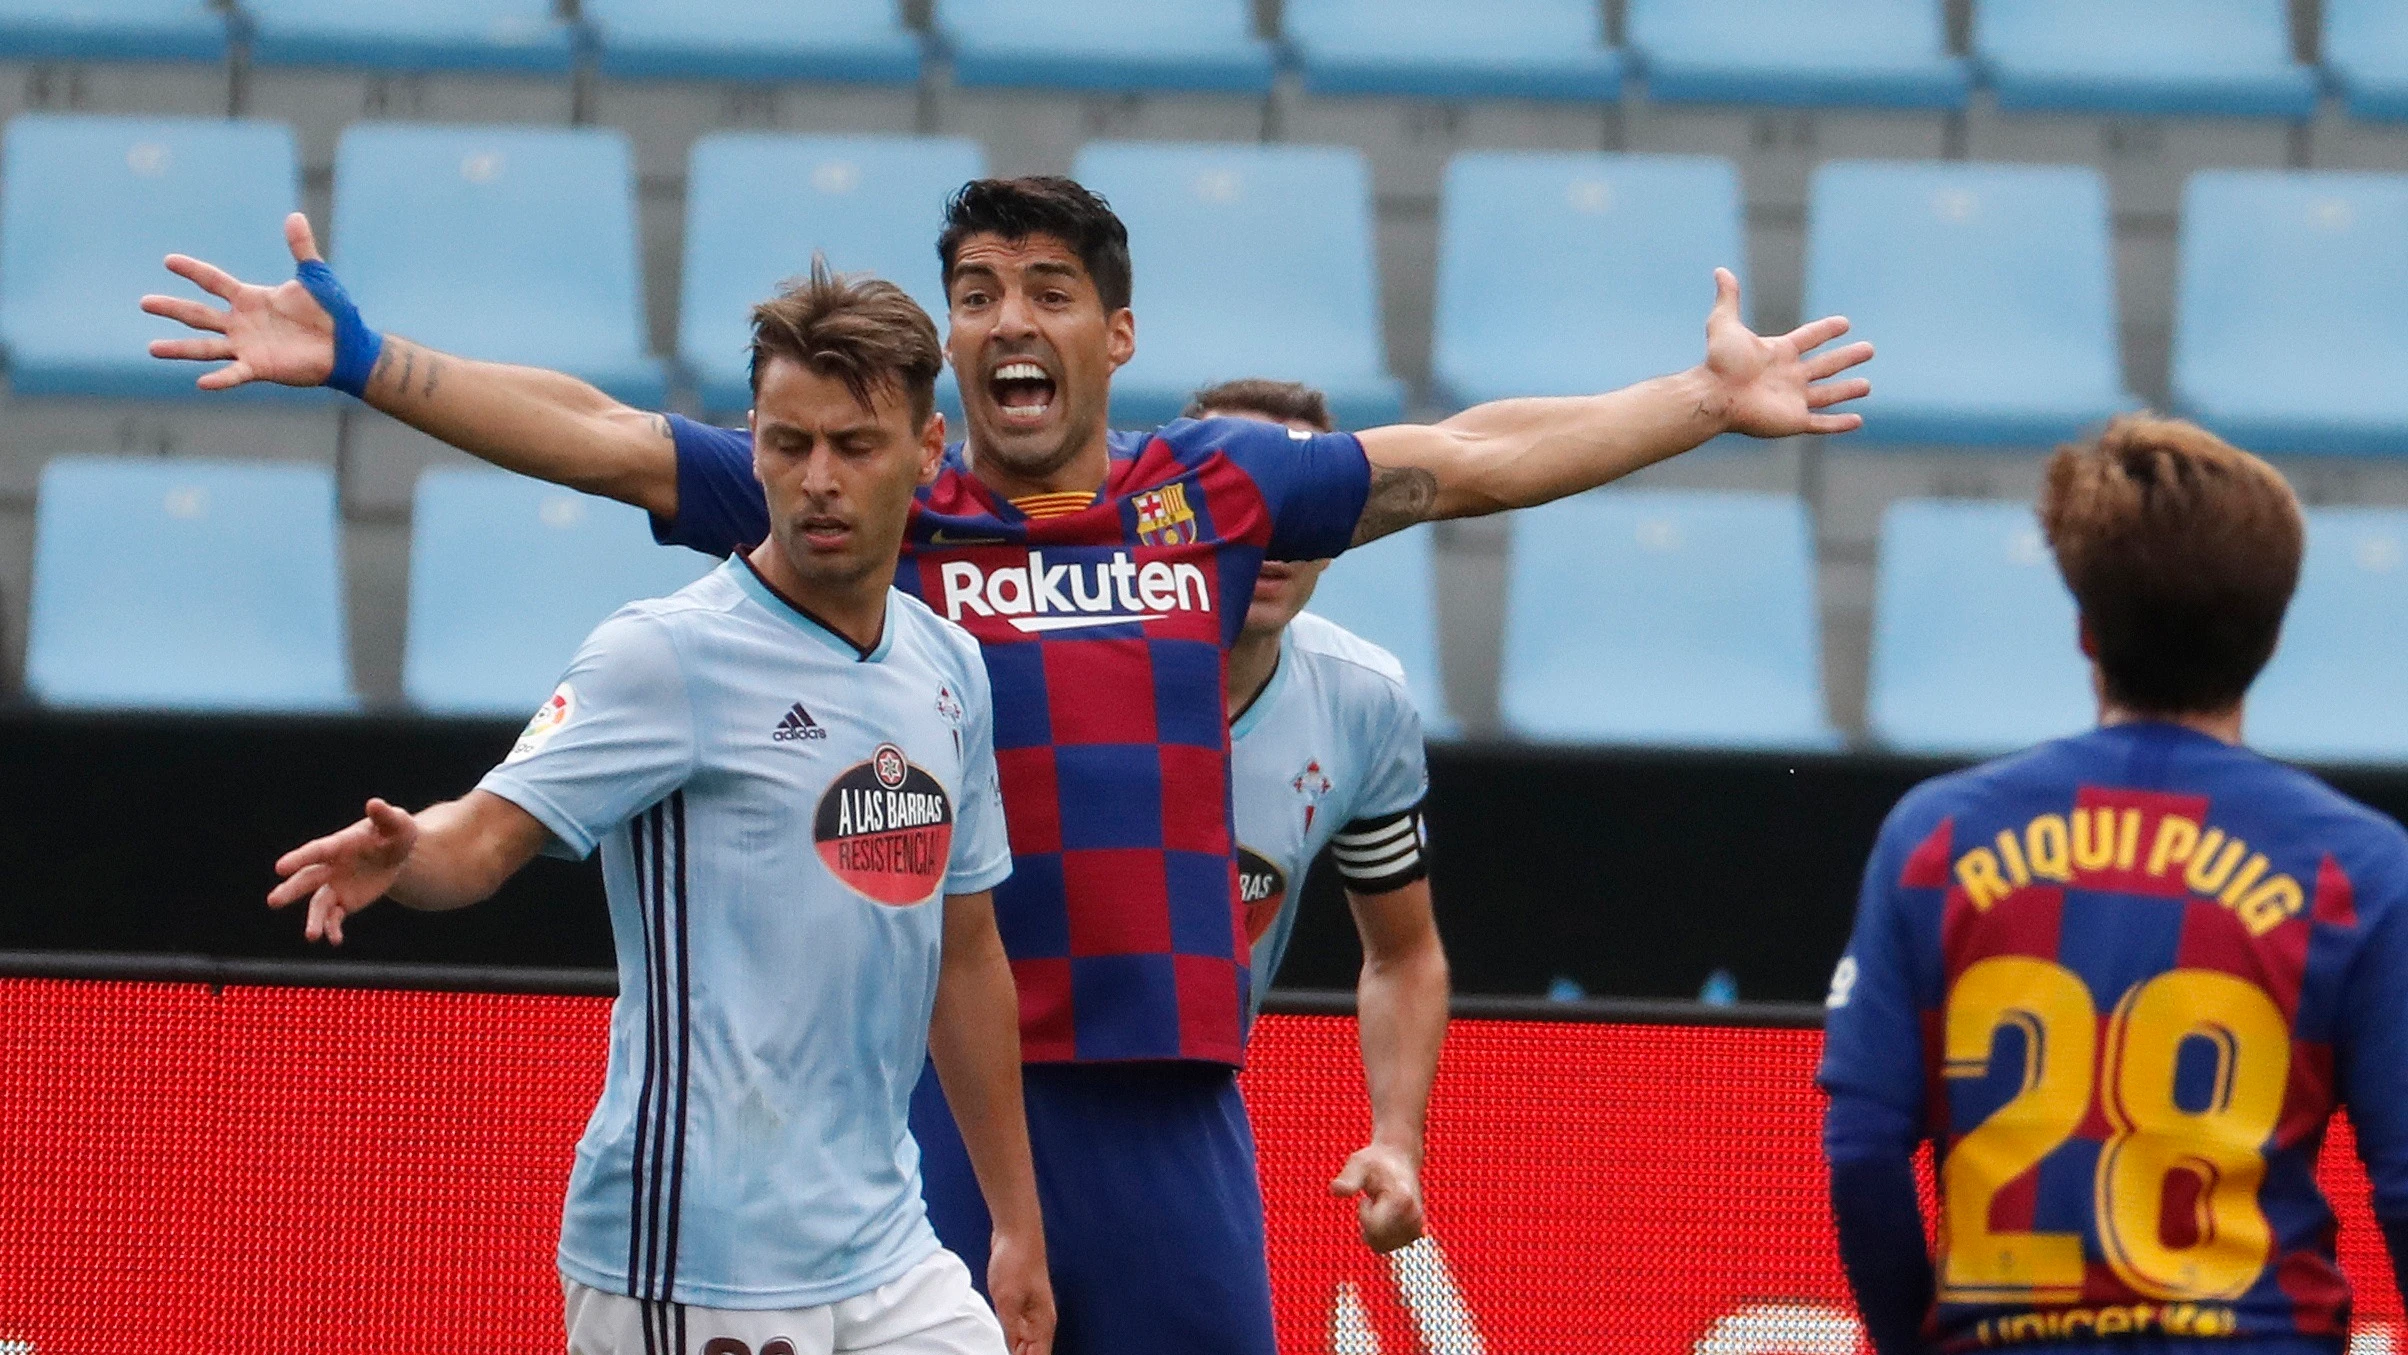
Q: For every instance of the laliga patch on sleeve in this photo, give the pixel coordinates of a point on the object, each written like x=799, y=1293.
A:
x=554, y=713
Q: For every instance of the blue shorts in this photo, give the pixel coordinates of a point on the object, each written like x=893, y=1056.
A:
x=1153, y=1211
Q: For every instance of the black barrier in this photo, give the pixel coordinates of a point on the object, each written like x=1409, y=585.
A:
x=105, y=967
x=1633, y=873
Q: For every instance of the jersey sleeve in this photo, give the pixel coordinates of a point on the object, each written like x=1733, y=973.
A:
x=2374, y=1059
x=1313, y=483
x=616, y=736
x=1399, y=775
x=982, y=848
x=1872, y=1026
x=1380, y=848
x=719, y=506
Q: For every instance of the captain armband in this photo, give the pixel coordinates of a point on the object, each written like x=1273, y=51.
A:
x=1377, y=855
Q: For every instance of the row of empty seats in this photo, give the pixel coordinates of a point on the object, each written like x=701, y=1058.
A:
x=2228, y=57
x=1990, y=289
x=1634, y=616
x=215, y=586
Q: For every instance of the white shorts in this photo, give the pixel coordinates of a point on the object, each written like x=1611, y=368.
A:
x=931, y=1310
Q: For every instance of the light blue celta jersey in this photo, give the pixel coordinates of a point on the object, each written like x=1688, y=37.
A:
x=780, y=817
x=1330, y=750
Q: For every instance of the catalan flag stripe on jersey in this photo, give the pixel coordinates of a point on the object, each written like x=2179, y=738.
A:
x=1105, y=620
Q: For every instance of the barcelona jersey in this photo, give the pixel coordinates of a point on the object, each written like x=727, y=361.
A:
x=1105, y=620
x=2121, y=982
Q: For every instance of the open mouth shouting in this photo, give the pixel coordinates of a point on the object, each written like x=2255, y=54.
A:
x=1023, y=392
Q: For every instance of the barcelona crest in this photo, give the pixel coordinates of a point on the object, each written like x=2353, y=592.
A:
x=1163, y=517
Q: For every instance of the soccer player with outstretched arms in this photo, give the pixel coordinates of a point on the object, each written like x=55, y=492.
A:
x=2123, y=981
x=1104, y=576
x=789, y=767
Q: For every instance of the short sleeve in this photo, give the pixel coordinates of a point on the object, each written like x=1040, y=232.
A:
x=982, y=847
x=1314, y=483
x=1398, y=776
x=719, y=506
x=1872, y=1029
x=2374, y=1056
x=616, y=736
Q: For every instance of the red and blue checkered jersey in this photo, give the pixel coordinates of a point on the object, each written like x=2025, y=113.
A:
x=2123, y=981
x=1106, y=631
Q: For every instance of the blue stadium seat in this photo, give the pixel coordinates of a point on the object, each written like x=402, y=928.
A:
x=423, y=35
x=2366, y=53
x=1665, y=617
x=512, y=244
x=753, y=40
x=88, y=207
x=1159, y=46
x=1837, y=53
x=1440, y=49
x=1974, y=636
x=2337, y=690
x=2216, y=57
x=507, y=575
x=111, y=30
x=2287, y=332
x=1990, y=290
x=1566, y=273
x=191, y=585
x=758, y=205
x=1387, y=593
x=1250, y=260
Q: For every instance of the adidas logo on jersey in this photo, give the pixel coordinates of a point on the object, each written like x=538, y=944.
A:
x=1072, y=595
x=798, y=724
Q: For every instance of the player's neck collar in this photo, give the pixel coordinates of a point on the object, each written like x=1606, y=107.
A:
x=776, y=603
x=1252, y=715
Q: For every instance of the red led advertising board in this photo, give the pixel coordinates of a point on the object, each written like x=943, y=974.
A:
x=257, y=1171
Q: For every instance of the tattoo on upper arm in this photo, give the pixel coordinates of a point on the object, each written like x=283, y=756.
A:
x=1400, y=496
x=660, y=425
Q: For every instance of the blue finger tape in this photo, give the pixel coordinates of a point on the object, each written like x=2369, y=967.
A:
x=356, y=347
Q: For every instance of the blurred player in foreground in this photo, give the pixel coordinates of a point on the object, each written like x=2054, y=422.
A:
x=785, y=763
x=1105, y=576
x=2122, y=981
x=1326, y=747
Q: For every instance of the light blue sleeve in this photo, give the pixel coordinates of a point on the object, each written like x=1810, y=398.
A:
x=1397, y=777
x=982, y=844
x=616, y=736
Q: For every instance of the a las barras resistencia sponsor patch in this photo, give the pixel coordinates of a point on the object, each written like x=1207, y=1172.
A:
x=885, y=827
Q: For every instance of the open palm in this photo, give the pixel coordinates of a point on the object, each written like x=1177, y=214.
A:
x=279, y=334
x=1778, y=387
x=341, y=873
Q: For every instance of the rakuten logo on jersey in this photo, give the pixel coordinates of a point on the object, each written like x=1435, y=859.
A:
x=1042, y=596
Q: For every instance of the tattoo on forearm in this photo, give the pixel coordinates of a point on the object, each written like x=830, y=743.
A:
x=434, y=368
x=1400, y=496
x=409, y=365
x=384, y=363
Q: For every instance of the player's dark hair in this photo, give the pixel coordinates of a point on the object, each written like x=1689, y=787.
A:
x=862, y=331
x=2182, y=551
x=1043, y=204
x=1279, y=401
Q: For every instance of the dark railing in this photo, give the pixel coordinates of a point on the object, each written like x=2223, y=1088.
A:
x=124, y=968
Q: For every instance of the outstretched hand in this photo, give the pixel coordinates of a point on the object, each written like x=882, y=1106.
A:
x=344, y=872
x=279, y=334
x=1385, y=1185
x=1777, y=388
